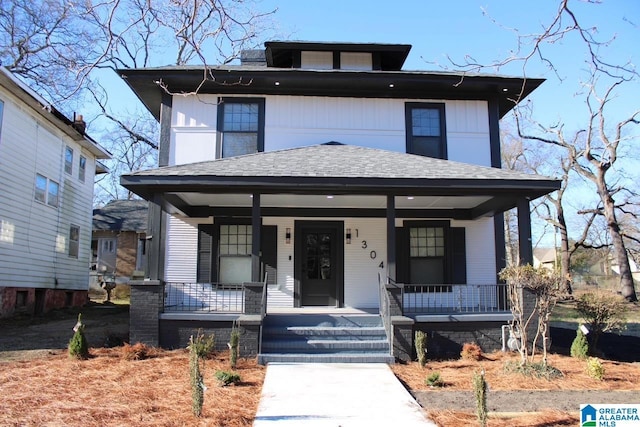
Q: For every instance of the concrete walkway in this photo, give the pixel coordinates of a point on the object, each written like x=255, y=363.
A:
x=336, y=395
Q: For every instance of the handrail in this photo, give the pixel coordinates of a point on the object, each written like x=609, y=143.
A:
x=263, y=311
x=385, y=309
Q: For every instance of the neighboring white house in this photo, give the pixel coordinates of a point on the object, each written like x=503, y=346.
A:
x=47, y=169
x=328, y=166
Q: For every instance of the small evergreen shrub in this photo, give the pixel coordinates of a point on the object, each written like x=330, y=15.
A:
x=538, y=370
x=204, y=346
x=78, y=347
x=233, y=347
x=595, y=369
x=196, y=379
x=480, y=392
x=580, y=346
x=421, y=347
x=226, y=378
x=471, y=351
x=434, y=380
x=137, y=351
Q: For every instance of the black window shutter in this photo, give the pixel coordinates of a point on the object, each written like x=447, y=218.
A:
x=402, y=255
x=459, y=256
x=205, y=263
x=269, y=253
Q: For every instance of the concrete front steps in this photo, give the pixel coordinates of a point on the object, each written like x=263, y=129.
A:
x=324, y=338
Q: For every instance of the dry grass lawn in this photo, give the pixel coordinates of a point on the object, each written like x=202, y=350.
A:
x=108, y=390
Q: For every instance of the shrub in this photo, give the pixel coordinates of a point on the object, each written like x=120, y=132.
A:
x=434, y=380
x=480, y=392
x=595, y=369
x=602, y=312
x=137, y=351
x=471, y=351
x=226, y=378
x=421, y=347
x=538, y=370
x=203, y=346
x=196, y=379
x=78, y=346
x=233, y=346
x=580, y=346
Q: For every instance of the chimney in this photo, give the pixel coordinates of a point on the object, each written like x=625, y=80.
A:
x=79, y=124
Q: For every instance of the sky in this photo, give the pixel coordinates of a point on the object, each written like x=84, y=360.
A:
x=486, y=30
x=482, y=29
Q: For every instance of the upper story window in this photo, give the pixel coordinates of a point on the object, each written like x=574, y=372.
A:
x=47, y=191
x=68, y=160
x=242, y=126
x=426, y=130
x=82, y=168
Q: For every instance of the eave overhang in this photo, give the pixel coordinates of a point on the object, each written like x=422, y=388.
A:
x=150, y=84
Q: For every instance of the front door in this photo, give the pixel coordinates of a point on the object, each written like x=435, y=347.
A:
x=319, y=266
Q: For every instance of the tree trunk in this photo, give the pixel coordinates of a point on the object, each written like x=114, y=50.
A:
x=627, y=288
x=565, y=256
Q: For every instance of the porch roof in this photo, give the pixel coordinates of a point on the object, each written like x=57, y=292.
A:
x=337, y=169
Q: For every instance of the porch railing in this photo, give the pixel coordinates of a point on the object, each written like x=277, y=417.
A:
x=442, y=299
x=204, y=297
x=385, y=305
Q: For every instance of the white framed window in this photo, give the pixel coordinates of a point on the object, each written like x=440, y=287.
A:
x=82, y=168
x=242, y=126
x=74, y=241
x=235, y=253
x=68, y=160
x=47, y=191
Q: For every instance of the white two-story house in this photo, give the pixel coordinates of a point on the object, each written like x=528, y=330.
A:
x=338, y=174
x=47, y=169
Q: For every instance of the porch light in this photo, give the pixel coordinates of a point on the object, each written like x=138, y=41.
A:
x=348, y=236
x=287, y=236
x=410, y=198
x=329, y=197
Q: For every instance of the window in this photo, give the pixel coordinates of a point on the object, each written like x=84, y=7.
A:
x=427, y=255
x=426, y=130
x=74, y=240
x=52, y=196
x=47, y=191
x=68, y=160
x=242, y=126
x=235, y=253
x=41, y=188
x=82, y=168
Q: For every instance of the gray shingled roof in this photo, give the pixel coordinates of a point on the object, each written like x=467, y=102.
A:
x=334, y=160
x=122, y=215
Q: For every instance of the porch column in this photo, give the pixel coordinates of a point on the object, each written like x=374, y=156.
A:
x=156, y=239
x=256, y=225
x=391, y=237
x=524, y=232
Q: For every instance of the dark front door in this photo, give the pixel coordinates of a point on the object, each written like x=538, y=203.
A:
x=319, y=272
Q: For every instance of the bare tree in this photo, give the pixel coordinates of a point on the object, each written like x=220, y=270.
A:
x=65, y=50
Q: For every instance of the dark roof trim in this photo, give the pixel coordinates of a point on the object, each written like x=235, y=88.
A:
x=146, y=83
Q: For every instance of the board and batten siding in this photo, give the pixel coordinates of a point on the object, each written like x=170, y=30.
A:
x=34, y=236
x=296, y=121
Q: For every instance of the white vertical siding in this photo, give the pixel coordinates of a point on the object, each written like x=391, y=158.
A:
x=34, y=241
x=182, y=250
x=281, y=294
x=295, y=121
x=481, y=250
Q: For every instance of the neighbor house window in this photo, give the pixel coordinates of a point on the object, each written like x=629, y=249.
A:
x=47, y=191
x=82, y=169
x=68, y=160
x=74, y=241
x=241, y=126
x=1, y=113
x=235, y=253
x=425, y=128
